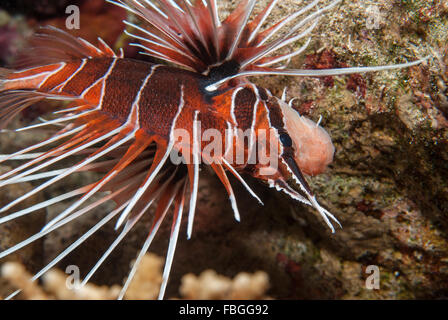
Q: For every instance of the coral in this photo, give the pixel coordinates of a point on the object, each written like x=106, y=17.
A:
x=211, y=286
x=54, y=286
x=145, y=286
x=16, y=274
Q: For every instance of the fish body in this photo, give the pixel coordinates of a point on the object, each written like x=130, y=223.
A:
x=107, y=84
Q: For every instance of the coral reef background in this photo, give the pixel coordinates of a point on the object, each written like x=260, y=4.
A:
x=388, y=184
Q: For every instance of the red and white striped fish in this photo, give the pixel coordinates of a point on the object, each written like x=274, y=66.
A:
x=129, y=111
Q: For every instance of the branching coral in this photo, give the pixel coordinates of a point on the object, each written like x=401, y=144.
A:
x=145, y=286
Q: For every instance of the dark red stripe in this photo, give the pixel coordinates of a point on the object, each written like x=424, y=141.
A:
x=60, y=76
x=123, y=86
x=275, y=114
x=160, y=101
x=92, y=71
x=244, y=103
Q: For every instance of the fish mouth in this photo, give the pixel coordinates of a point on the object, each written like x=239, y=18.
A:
x=309, y=198
x=298, y=175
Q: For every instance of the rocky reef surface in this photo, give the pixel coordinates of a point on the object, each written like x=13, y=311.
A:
x=388, y=184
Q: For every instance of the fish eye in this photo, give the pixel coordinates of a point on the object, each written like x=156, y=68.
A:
x=286, y=140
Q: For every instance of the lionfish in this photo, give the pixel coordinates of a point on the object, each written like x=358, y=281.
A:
x=120, y=115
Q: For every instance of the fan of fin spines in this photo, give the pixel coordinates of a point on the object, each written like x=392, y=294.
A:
x=134, y=176
x=191, y=34
x=123, y=173
x=125, y=155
